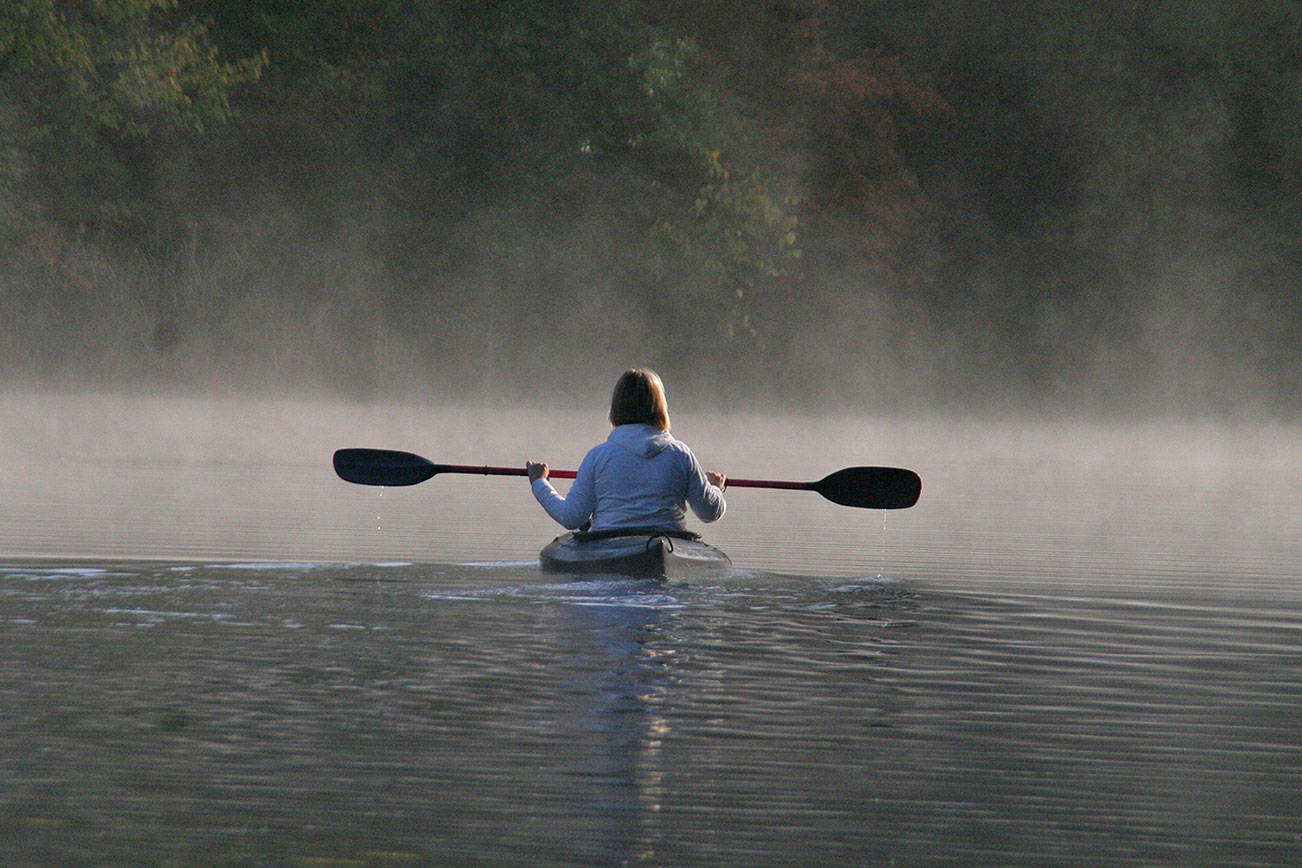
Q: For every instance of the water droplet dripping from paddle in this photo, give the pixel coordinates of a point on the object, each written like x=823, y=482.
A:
x=881, y=569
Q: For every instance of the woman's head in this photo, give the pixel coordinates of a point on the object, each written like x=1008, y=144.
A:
x=639, y=397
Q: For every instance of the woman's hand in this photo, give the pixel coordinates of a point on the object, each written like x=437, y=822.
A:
x=717, y=479
x=537, y=470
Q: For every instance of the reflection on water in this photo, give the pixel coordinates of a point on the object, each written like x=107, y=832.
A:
x=1085, y=648
x=412, y=713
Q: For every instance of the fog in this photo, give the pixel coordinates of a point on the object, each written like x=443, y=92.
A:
x=539, y=321
x=1014, y=502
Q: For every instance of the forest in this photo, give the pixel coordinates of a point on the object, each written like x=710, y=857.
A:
x=1045, y=203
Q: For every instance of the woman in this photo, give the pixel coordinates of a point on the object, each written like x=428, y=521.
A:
x=641, y=477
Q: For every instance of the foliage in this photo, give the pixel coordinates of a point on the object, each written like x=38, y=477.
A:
x=738, y=233
x=1030, y=176
x=93, y=88
x=809, y=140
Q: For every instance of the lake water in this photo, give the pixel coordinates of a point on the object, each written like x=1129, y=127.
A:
x=1083, y=646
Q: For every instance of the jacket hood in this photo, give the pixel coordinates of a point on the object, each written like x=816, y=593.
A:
x=644, y=441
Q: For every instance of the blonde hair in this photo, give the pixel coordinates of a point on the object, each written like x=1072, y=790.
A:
x=639, y=397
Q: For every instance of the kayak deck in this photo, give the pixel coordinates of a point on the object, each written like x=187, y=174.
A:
x=633, y=553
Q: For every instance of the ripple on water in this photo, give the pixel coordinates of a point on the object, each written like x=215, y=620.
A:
x=694, y=721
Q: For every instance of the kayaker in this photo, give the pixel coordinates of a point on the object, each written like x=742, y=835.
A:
x=640, y=477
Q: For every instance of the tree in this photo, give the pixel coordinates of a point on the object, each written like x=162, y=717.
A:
x=804, y=150
x=90, y=91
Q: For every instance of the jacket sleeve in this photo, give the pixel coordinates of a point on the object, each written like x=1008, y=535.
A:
x=706, y=500
x=574, y=509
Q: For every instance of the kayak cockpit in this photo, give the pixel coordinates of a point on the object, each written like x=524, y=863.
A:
x=634, y=552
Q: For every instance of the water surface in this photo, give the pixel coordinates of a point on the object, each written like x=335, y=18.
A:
x=1082, y=647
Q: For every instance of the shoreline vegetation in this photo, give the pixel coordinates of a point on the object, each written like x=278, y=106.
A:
x=824, y=203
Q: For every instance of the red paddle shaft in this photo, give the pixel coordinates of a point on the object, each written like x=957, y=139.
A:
x=768, y=483
x=570, y=474
x=501, y=471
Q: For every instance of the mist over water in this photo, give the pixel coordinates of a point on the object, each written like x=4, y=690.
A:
x=245, y=478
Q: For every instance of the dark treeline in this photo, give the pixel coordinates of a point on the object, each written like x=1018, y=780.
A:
x=1070, y=203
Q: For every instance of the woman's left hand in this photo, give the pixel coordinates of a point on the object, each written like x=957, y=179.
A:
x=537, y=470
x=717, y=479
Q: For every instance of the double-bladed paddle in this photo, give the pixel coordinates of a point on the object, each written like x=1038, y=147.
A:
x=866, y=487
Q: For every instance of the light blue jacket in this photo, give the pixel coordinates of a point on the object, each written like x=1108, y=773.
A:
x=640, y=477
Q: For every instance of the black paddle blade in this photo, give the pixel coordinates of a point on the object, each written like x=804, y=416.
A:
x=382, y=467
x=871, y=487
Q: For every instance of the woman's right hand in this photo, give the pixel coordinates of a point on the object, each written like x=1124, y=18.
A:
x=537, y=470
x=717, y=479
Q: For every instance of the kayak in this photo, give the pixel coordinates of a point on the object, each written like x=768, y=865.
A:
x=635, y=553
